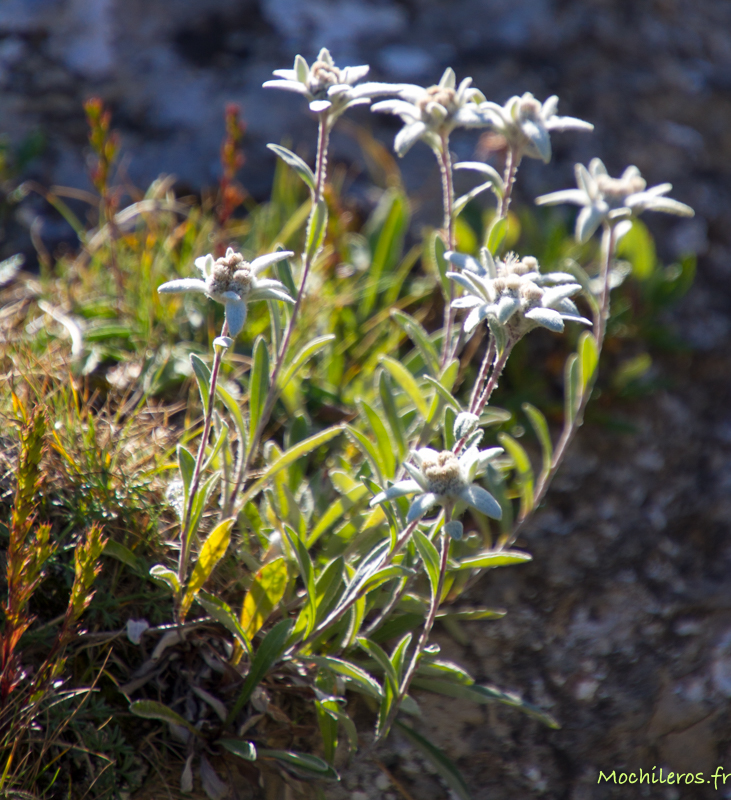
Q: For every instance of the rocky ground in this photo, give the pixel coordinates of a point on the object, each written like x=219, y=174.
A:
x=621, y=626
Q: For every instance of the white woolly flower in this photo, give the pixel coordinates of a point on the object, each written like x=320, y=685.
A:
x=432, y=113
x=444, y=479
x=611, y=199
x=513, y=293
x=526, y=124
x=232, y=281
x=327, y=87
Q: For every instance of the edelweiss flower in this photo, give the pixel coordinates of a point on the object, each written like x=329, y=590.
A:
x=445, y=479
x=513, y=293
x=430, y=114
x=232, y=281
x=327, y=87
x=526, y=124
x=610, y=199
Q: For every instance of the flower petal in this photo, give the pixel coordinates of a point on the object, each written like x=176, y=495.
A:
x=182, y=285
x=589, y=219
x=475, y=317
x=415, y=473
x=398, y=489
x=468, y=301
x=407, y=136
x=420, y=506
x=288, y=86
x=205, y=264
x=546, y=317
x=258, y=264
x=575, y=196
x=235, y=316
x=482, y=500
x=318, y=106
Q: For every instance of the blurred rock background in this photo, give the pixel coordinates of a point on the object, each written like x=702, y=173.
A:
x=621, y=627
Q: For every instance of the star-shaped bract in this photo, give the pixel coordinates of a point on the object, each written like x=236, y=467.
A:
x=232, y=281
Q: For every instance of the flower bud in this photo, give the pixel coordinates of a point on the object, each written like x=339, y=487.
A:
x=464, y=424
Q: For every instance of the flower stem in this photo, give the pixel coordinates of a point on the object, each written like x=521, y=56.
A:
x=196, y=478
x=512, y=162
x=428, y=625
x=445, y=167
x=323, y=139
x=569, y=431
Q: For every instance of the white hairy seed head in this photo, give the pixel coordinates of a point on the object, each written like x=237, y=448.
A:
x=322, y=76
x=230, y=273
x=529, y=108
x=442, y=96
x=530, y=293
x=443, y=473
x=616, y=189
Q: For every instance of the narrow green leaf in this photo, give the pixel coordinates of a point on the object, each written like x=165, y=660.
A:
x=258, y=383
x=297, y=164
x=383, y=576
x=234, y=410
x=165, y=574
x=213, y=550
x=395, y=422
x=222, y=612
x=306, y=353
x=316, y=227
x=436, y=252
x=407, y=382
x=446, y=769
x=524, y=469
x=444, y=670
x=484, y=695
x=347, y=723
x=269, y=652
x=264, y=594
x=415, y=331
x=369, y=451
x=489, y=560
x=328, y=585
x=571, y=389
x=471, y=614
x=588, y=359
x=203, y=376
x=540, y=426
x=430, y=556
x=186, y=462
x=289, y=457
x=378, y=654
x=123, y=554
x=150, y=709
x=240, y=748
x=446, y=382
x=199, y=502
x=335, y=512
x=357, y=677
x=638, y=247
x=496, y=234
x=307, y=573
x=383, y=440
x=302, y=763
x=399, y=654
x=446, y=395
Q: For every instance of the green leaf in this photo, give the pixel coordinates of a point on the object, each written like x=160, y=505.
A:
x=444, y=670
x=383, y=440
x=383, y=576
x=540, y=426
x=420, y=338
x=335, y=512
x=167, y=575
x=316, y=227
x=222, y=612
x=297, y=164
x=264, y=594
x=347, y=723
x=571, y=389
x=258, y=383
x=269, y=652
x=302, y=763
x=407, y=382
x=588, y=359
x=123, y=554
x=385, y=390
x=150, y=709
x=493, y=415
x=213, y=550
x=484, y=695
x=471, y=614
x=307, y=573
x=234, y=410
x=240, y=748
x=203, y=376
x=369, y=451
x=446, y=382
x=186, y=462
x=435, y=258
x=496, y=234
x=446, y=395
x=638, y=247
x=524, y=469
x=302, y=357
x=378, y=654
x=399, y=654
x=289, y=457
x=430, y=556
x=446, y=769
x=199, y=502
x=489, y=560
x=357, y=677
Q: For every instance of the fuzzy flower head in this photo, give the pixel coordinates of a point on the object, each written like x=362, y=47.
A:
x=431, y=114
x=526, y=124
x=443, y=478
x=232, y=281
x=328, y=88
x=607, y=199
x=513, y=294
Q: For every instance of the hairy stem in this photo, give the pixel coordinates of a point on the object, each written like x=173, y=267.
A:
x=484, y=369
x=512, y=162
x=323, y=139
x=445, y=167
x=569, y=431
x=428, y=625
x=196, y=479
